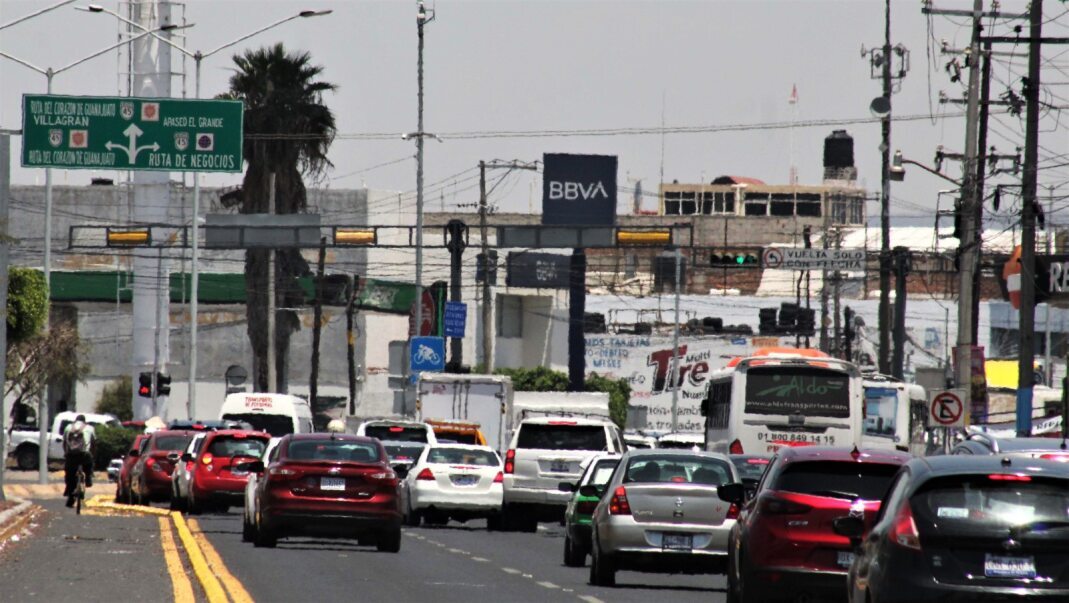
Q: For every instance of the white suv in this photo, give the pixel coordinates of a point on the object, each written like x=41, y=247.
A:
x=544, y=452
x=397, y=430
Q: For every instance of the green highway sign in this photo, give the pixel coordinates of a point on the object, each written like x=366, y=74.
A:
x=127, y=133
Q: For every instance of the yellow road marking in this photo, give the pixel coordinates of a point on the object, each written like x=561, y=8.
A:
x=180, y=584
x=238, y=594
x=212, y=588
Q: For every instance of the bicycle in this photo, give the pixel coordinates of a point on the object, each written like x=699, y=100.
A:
x=79, y=491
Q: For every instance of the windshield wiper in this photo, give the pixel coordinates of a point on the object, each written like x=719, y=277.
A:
x=835, y=494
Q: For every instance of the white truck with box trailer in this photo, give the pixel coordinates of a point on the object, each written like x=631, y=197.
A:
x=482, y=399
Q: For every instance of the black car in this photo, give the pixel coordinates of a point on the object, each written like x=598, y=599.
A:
x=979, y=442
x=966, y=528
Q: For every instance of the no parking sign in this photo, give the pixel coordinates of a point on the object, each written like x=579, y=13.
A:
x=947, y=408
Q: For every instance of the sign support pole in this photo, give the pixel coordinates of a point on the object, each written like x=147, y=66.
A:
x=576, y=311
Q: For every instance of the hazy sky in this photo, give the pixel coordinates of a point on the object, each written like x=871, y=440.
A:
x=540, y=66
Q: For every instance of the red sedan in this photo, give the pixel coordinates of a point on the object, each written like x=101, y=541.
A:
x=783, y=544
x=219, y=474
x=328, y=485
x=150, y=477
x=122, y=485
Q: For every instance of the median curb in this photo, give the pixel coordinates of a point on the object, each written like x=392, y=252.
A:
x=11, y=519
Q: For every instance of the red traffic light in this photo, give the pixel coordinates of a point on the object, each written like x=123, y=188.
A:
x=145, y=391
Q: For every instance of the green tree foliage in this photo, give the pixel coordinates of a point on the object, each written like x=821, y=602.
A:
x=542, y=379
x=117, y=399
x=111, y=442
x=27, y=304
x=288, y=131
x=54, y=355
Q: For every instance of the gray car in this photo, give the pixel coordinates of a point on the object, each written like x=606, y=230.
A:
x=982, y=443
x=660, y=513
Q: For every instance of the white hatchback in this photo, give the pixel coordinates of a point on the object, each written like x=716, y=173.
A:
x=248, y=522
x=455, y=481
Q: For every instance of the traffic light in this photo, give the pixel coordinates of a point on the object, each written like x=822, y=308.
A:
x=163, y=384
x=144, y=385
x=732, y=259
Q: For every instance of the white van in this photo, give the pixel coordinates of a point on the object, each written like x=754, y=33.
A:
x=277, y=414
x=894, y=414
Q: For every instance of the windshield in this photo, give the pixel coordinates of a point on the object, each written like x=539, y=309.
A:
x=965, y=503
x=792, y=390
x=333, y=450
x=461, y=456
x=173, y=442
x=678, y=469
x=400, y=433
x=881, y=411
x=403, y=452
x=231, y=446
x=602, y=471
x=460, y=437
x=561, y=437
x=850, y=480
x=750, y=467
x=276, y=425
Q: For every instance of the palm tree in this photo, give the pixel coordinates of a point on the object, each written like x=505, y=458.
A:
x=288, y=131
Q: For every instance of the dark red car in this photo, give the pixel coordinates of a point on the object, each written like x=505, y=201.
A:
x=122, y=485
x=328, y=485
x=783, y=544
x=219, y=472
x=150, y=477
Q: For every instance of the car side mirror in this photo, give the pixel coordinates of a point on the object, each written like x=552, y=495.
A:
x=566, y=487
x=173, y=457
x=187, y=457
x=135, y=453
x=749, y=484
x=253, y=466
x=851, y=527
x=401, y=471
x=732, y=493
x=590, y=490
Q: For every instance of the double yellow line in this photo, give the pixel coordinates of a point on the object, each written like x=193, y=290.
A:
x=218, y=584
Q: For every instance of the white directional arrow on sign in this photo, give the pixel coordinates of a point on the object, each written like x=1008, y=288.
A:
x=132, y=150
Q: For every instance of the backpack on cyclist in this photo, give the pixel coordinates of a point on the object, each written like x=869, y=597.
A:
x=75, y=440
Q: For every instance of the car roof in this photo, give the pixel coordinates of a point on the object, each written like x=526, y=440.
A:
x=171, y=432
x=1022, y=444
x=237, y=432
x=564, y=421
x=842, y=455
x=406, y=422
x=662, y=452
x=459, y=446
x=402, y=443
x=323, y=436
x=959, y=464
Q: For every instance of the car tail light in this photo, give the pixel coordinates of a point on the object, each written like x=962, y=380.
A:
x=150, y=462
x=1061, y=458
x=733, y=512
x=281, y=474
x=1009, y=477
x=425, y=475
x=904, y=530
x=563, y=423
x=190, y=465
x=779, y=506
x=735, y=448
x=396, y=429
x=618, y=504
x=586, y=507
x=510, y=461
x=206, y=459
x=499, y=478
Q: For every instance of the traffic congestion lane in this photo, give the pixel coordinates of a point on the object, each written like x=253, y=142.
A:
x=454, y=563
x=86, y=557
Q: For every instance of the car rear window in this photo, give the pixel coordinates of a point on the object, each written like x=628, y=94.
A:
x=603, y=471
x=231, y=446
x=403, y=452
x=276, y=425
x=399, y=433
x=173, y=442
x=561, y=437
x=460, y=437
x=333, y=450
x=997, y=502
x=803, y=390
x=750, y=467
x=678, y=469
x=462, y=456
x=849, y=480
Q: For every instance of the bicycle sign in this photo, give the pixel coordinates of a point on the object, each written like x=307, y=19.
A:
x=427, y=355
x=947, y=408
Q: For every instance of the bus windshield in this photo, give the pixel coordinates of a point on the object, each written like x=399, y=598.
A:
x=797, y=390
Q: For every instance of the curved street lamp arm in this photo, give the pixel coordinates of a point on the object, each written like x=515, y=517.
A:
x=32, y=15
x=113, y=47
x=303, y=13
x=24, y=63
x=93, y=8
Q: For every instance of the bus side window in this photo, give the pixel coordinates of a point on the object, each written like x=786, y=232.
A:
x=719, y=405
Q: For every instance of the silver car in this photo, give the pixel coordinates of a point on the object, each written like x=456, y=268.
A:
x=183, y=473
x=660, y=513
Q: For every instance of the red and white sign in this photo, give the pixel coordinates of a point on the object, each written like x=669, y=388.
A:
x=947, y=408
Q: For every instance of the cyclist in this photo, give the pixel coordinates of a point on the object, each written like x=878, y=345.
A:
x=77, y=451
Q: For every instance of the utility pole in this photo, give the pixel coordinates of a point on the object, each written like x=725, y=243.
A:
x=5, y=251
x=487, y=307
x=885, y=204
x=456, y=242
x=1026, y=328
x=272, y=381
x=317, y=324
x=351, y=343
x=903, y=265
x=674, y=373
x=576, y=312
x=421, y=20
x=825, y=345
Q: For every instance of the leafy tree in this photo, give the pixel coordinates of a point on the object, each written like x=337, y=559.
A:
x=27, y=304
x=542, y=379
x=288, y=131
x=111, y=442
x=55, y=355
x=117, y=399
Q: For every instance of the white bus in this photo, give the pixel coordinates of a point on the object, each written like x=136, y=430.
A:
x=277, y=414
x=783, y=397
x=894, y=414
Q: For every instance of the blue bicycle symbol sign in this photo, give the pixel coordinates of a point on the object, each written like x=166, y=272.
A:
x=427, y=354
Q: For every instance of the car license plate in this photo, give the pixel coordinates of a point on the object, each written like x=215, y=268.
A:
x=677, y=542
x=845, y=558
x=464, y=480
x=560, y=466
x=1003, y=566
x=332, y=483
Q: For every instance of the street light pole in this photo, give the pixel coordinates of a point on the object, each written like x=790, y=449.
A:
x=194, y=287
x=421, y=20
